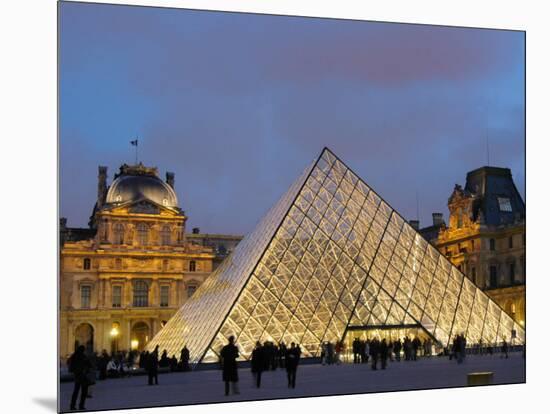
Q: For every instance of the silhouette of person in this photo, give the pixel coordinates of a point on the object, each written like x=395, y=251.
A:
x=258, y=362
x=292, y=358
x=152, y=366
x=229, y=355
x=80, y=366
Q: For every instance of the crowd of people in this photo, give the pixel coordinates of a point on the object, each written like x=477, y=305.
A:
x=86, y=367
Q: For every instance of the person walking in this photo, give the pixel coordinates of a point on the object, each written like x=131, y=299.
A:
x=79, y=366
x=257, y=363
x=292, y=359
x=505, y=348
x=152, y=366
x=229, y=355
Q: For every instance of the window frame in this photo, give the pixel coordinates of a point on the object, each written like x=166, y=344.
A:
x=166, y=289
x=83, y=287
x=140, y=298
x=113, y=304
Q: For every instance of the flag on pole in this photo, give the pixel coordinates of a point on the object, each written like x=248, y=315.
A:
x=134, y=142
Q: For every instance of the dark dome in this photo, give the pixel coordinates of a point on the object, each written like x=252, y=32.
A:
x=134, y=187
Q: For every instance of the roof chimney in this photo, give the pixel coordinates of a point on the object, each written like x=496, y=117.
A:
x=196, y=230
x=170, y=179
x=415, y=224
x=437, y=219
x=101, y=185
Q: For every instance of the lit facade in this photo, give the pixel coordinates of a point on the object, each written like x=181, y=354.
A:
x=331, y=257
x=125, y=276
x=485, y=237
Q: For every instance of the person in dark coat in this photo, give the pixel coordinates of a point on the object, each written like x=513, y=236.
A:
x=397, y=349
x=383, y=353
x=374, y=350
x=258, y=362
x=102, y=364
x=505, y=348
x=79, y=366
x=184, y=359
x=164, y=360
x=152, y=366
x=229, y=355
x=282, y=353
x=292, y=358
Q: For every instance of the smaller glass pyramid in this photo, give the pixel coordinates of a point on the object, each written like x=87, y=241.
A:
x=331, y=255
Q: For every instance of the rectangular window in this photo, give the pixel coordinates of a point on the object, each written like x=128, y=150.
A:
x=512, y=273
x=117, y=296
x=492, y=276
x=85, y=296
x=504, y=204
x=164, y=293
x=492, y=244
x=510, y=242
x=190, y=290
x=473, y=273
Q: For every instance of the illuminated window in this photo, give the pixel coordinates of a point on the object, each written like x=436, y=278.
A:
x=119, y=233
x=165, y=236
x=164, y=292
x=492, y=244
x=191, y=290
x=118, y=198
x=85, y=296
x=87, y=264
x=513, y=308
x=504, y=204
x=192, y=266
x=117, y=296
x=164, y=202
x=141, y=294
x=143, y=234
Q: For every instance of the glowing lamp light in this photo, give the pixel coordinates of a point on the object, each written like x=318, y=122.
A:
x=134, y=344
x=114, y=332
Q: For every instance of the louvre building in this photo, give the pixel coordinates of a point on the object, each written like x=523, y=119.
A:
x=331, y=261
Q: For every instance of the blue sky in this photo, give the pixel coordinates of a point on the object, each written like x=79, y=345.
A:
x=237, y=104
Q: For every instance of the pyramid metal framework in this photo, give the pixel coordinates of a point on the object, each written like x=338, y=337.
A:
x=329, y=256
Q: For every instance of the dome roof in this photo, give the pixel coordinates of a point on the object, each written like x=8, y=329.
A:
x=133, y=185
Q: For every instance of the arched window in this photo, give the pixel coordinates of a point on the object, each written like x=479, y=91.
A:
x=142, y=234
x=119, y=233
x=141, y=294
x=87, y=264
x=165, y=236
x=192, y=266
x=191, y=290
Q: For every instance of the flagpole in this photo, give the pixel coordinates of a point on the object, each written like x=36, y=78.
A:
x=136, y=151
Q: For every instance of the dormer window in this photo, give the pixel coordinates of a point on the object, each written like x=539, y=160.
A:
x=118, y=198
x=164, y=201
x=504, y=204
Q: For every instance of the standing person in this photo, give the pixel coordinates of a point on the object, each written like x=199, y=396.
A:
x=79, y=366
x=257, y=363
x=292, y=359
x=184, y=359
x=152, y=366
x=102, y=364
x=282, y=353
x=229, y=355
x=374, y=352
x=383, y=353
x=505, y=348
x=397, y=349
x=356, y=352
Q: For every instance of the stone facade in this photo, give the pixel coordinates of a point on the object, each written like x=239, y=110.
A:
x=119, y=286
x=485, y=237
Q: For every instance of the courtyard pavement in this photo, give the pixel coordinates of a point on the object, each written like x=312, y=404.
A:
x=312, y=380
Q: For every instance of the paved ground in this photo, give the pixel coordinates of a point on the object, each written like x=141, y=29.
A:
x=312, y=380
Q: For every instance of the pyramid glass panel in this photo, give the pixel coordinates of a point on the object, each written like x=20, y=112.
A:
x=331, y=256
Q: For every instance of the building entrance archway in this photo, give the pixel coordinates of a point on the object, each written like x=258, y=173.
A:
x=140, y=335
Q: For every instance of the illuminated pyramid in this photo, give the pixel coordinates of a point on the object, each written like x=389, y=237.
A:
x=331, y=257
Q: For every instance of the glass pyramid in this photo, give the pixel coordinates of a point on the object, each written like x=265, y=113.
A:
x=330, y=255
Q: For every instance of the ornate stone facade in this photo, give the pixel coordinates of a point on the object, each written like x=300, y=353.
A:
x=123, y=278
x=485, y=237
